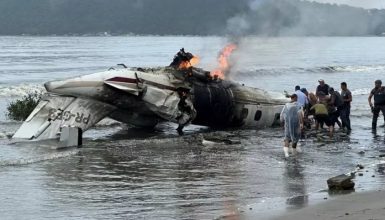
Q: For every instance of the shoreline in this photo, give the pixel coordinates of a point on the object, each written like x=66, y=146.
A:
x=366, y=201
x=358, y=205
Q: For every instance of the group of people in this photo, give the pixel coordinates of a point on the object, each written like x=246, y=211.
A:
x=326, y=107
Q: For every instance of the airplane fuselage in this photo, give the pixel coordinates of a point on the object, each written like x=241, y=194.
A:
x=218, y=103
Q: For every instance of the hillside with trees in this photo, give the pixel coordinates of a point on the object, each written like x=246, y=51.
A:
x=186, y=17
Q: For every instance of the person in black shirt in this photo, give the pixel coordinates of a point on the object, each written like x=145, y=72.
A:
x=345, y=108
x=334, y=106
x=379, y=102
x=322, y=87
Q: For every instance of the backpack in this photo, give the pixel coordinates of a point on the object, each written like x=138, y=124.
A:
x=338, y=100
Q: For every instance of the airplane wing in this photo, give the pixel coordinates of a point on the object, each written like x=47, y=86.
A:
x=54, y=112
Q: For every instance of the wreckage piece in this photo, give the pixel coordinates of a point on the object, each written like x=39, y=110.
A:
x=146, y=96
x=54, y=112
x=180, y=57
x=340, y=182
x=227, y=104
x=70, y=136
x=167, y=105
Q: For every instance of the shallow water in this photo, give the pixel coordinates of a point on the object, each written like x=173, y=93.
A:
x=127, y=173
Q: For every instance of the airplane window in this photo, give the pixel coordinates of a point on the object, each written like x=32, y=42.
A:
x=258, y=115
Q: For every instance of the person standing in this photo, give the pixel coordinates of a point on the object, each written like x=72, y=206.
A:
x=322, y=88
x=302, y=98
x=334, y=106
x=292, y=117
x=345, y=108
x=306, y=108
x=379, y=102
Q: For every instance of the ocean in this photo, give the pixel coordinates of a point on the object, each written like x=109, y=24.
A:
x=129, y=173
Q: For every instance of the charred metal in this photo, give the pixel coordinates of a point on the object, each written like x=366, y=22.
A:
x=144, y=97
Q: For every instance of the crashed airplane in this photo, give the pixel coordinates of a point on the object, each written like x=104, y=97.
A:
x=144, y=97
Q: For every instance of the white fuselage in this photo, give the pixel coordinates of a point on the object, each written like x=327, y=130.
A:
x=125, y=88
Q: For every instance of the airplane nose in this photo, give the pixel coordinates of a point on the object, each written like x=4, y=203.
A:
x=53, y=86
x=47, y=86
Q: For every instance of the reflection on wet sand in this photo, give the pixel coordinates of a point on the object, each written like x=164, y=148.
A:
x=171, y=177
x=294, y=183
x=168, y=176
x=378, y=136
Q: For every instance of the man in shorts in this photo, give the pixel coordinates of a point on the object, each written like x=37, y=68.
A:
x=321, y=116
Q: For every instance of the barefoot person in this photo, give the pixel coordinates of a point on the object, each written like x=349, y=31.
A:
x=292, y=117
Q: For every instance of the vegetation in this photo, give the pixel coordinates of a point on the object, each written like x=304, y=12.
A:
x=20, y=109
x=187, y=17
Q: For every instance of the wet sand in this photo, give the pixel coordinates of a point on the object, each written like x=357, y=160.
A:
x=366, y=201
x=357, y=206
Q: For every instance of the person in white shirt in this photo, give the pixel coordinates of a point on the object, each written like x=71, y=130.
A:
x=302, y=98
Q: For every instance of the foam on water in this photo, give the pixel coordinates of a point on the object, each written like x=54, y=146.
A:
x=359, y=68
x=20, y=90
x=40, y=158
x=363, y=91
x=258, y=71
x=5, y=135
x=348, y=68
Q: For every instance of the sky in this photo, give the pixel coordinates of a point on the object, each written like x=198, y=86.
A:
x=357, y=3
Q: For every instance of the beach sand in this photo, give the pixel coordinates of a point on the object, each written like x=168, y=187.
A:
x=357, y=206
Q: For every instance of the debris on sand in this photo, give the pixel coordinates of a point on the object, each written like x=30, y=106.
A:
x=209, y=141
x=341, y=182
x=360, y=166
x=220, y=138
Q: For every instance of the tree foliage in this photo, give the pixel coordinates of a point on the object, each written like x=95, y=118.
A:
x=20, y=109
x=187, y=17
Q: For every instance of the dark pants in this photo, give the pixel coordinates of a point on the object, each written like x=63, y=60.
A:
x=376, y=113
x=334, y=117
x=345, y=117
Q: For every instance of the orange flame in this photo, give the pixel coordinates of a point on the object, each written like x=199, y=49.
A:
x=187, y=64
x=223, y=61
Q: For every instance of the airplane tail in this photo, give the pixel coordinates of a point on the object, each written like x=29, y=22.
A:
x=55, y=112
